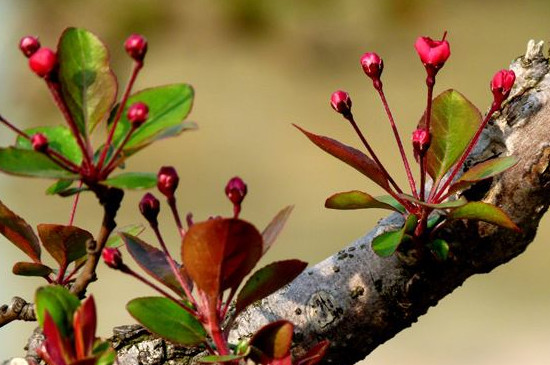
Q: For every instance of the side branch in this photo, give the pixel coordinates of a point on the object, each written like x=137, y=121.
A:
x=359, y=300
x=18, y=309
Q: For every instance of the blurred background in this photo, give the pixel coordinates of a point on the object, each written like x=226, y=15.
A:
x=257, y=67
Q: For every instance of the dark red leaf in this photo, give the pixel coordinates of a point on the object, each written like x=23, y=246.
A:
x=31, y=269
x=153, y=261
x=314, y=354
x=267, y=280
x=219, y=253
x=16, y=230
x=353, y=157
x=65, y=243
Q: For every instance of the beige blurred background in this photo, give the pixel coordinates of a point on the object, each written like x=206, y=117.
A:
x=258, y=66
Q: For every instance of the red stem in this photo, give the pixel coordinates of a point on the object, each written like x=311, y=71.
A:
x=430, y=82
x=60, y=102
x=114, y=162
x=172, y=203
x=122, y=105
x=75, y=204
x=471, y=145
x=405, y=203
x=410, y=177
x=172, y=264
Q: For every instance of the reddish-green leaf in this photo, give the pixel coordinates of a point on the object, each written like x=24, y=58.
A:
x=57, y=342
x=484, y=170
x=483, y=212
x=356, y=199
x=84, y=325
x=271, y=232
x=272, y=342
x=18, y=232
x=59, y=303
x=31, y=269
x=60, y=139
x=65, y=243
x=132, y=180
x=219, y=253
x=353, y=157
x=167, y=319
x=88, y=85
x=454, y=121
x=22, y=162
x=168, y=106
x=387, y=243
x=267, y=280
x=315, y=354
x=153, y=261
x=219, y=359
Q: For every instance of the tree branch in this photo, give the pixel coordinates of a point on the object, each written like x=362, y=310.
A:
x=359, y=300
x=18, y=309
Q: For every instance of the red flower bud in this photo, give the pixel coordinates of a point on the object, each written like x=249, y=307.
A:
x=29, y=45
x=112, y=257
x=149, y=206
x=236, y=190
x=43, y=61
x=421, y=141
x=167, y=181
x=372, y=65
x=433, y=54
x=136, y=47
x=501, y=85
x=341, y=102
x=39, y=142
x=137, y=114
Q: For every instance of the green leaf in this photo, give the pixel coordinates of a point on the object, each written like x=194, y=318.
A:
x=60, y=139
x=356, y=199
x=481, y=171
x=168, y=106
x=271, y=232
x=167, y=319
x=219, y=253
x=440, y=248
x=267, y=280
x=217, y=359
x=388, y=199
x=387, y=243
x=454, y=121
x=59, y=303
x=58, y=186
x=132, y=180
x=88, y=85
x=484, y=212
x=153, y=261
x=353, y=157
x=65, y=243
x=115, y=240
x=31, y=269
x=16, y=161
x=18, y=232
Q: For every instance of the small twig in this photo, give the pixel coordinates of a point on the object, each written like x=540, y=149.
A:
x=18, y=309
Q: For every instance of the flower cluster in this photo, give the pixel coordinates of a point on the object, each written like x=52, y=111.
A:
x=449, y=119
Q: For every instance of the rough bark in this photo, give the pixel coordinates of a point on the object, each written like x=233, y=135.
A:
x=359, y=300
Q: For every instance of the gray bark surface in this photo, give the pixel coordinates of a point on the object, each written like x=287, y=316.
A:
x=358, y=300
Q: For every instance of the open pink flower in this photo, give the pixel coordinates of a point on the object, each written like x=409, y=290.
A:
x=433, y=54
